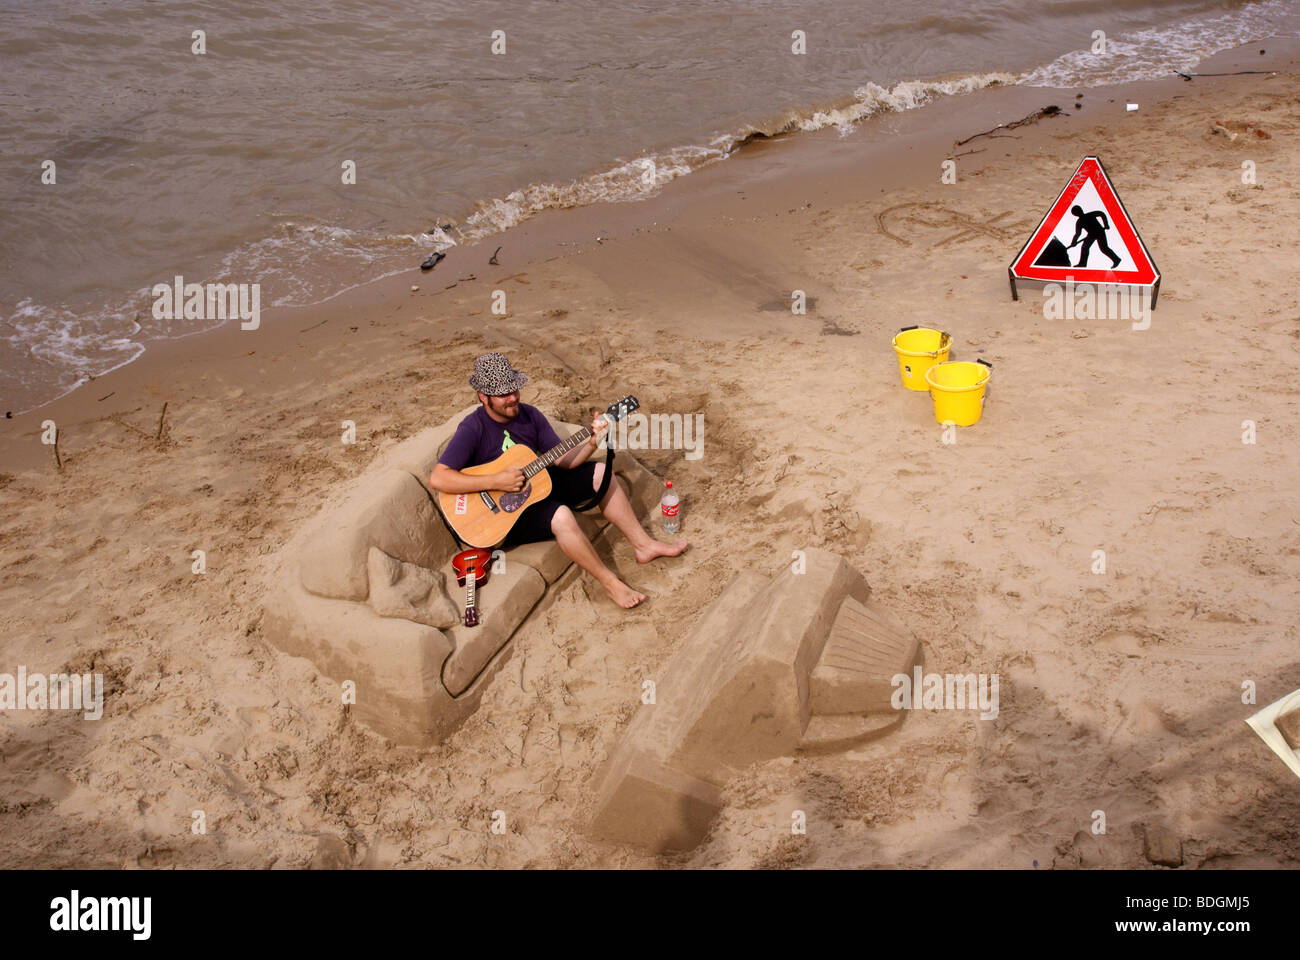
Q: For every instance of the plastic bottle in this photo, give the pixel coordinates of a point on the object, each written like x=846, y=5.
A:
x=668, y=507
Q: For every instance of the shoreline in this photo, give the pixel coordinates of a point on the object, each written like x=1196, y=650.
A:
x=763, y=167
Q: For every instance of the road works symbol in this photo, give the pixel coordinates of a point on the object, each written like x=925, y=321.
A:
x=1088, y=235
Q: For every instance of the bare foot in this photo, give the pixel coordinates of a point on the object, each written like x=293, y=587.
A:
x=623, y=595
x=656, y=549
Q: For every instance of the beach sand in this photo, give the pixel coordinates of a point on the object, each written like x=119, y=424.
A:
x=1120, y=692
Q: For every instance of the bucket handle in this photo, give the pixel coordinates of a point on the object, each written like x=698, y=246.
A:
x=985, y=362
x=915, y=326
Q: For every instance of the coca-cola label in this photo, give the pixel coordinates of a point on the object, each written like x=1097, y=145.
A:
x=669, y=509
x=462, y=503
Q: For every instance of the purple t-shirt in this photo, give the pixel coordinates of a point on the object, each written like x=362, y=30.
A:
x=480, y=439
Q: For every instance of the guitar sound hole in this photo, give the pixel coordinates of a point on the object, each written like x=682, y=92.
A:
x=510, y=502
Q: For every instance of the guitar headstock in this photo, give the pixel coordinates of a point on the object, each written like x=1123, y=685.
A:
x=621, y=408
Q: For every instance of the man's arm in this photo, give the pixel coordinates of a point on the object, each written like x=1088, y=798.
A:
x=446, y=480
x=449, y=479
x=581, y=454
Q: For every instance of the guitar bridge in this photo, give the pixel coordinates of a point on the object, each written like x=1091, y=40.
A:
x=489, y=502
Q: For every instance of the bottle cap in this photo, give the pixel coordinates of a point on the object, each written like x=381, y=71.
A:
x=668, y=483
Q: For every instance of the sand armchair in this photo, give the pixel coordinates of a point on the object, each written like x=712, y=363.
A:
x=366, y=592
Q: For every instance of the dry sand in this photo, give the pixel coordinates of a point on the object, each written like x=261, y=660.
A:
x=1119, y=692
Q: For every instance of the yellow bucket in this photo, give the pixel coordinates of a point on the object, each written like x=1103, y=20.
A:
x=918, y=350
x=957, y=388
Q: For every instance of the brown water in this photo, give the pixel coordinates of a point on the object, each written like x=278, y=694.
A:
x=229, y=165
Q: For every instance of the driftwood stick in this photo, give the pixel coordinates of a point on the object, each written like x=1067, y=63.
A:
x=160, y=420
x=1235, y=73
x=1048, y=111
x=493, y=261
x=58, y=461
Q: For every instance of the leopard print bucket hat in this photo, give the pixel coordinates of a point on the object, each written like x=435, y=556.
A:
x=494, y=376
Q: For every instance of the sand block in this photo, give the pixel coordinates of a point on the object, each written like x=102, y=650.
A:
x=738, y=691
x=752, y=700
x=655, y=806
x=865, y=649
x=390, y=510
x=839, y=732
x=1162, y=846
x=503, y=602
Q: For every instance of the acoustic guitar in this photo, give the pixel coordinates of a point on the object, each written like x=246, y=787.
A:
x=483, y=519
x=471, y=569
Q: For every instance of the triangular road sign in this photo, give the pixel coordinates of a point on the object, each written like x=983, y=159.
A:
x=1088, y=237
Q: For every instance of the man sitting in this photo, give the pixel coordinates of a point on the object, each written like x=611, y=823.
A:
x=500, y=423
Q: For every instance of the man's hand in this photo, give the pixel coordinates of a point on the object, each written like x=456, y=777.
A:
x=510, y=480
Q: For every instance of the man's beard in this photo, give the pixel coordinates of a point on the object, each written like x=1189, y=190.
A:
x=509, y=411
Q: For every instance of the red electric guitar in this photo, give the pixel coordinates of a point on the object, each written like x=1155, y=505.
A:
x=471, y=569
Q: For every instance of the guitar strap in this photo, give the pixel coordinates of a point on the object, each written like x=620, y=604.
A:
x=604, y=484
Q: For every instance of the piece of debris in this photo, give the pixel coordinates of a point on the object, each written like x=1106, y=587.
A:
x=1162, y=846
x=1288, y=724
x=414, y=288
x=494, y=262
x=1232, y=129
x=433, y=260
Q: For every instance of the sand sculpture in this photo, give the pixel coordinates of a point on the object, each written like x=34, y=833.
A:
x=801, y=662
x=366, y=592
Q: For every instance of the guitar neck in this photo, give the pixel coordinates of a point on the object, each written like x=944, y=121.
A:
x=557, y=451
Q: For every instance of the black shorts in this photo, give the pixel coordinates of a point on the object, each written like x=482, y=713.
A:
x=568, y=488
